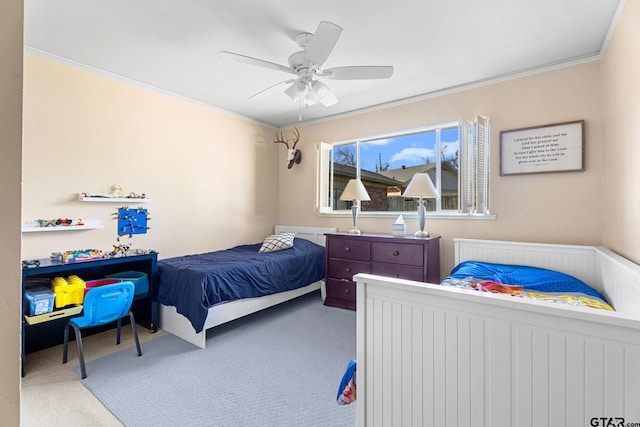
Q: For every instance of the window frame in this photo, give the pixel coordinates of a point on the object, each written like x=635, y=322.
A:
x=470, y=129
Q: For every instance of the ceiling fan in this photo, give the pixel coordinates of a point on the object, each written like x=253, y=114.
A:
x=306, y=64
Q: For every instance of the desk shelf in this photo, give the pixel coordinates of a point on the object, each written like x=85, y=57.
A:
x=104, y=199
x=38, y=335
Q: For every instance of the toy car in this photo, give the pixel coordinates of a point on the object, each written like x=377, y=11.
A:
x=30, y=263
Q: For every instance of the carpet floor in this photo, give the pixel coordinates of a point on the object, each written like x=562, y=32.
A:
x=278, y=367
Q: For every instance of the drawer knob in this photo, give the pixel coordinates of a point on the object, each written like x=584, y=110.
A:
x=346, y=291
x=347, y=249
x=347, y=269
x=396, y=253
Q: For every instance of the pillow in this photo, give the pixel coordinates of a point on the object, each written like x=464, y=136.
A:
x=277, y=242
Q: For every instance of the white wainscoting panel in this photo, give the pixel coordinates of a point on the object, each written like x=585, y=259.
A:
x=441, y=357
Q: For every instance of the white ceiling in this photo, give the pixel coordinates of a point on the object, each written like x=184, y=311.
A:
x=434, y=45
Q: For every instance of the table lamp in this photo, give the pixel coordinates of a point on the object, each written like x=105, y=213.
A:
x=355, y=191
x=421, y=187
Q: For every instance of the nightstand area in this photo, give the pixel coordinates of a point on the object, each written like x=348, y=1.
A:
x=404, y=257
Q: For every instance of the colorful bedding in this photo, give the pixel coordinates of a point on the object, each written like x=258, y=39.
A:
x=347, y=388
x=526, y=282
x=193, y=283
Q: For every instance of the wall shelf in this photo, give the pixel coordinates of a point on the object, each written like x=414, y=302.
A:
x=104, y=199
x=28, y=227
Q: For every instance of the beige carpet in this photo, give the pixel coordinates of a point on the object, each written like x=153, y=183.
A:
x=52, y=395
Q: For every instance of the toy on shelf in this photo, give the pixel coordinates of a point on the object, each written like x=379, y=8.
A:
x=119, y=250
x=118, y=190
x=30, y=263
x=68, y=291
x=79, y=255
x=132, y=221
x=141, y=251
x=59, y=222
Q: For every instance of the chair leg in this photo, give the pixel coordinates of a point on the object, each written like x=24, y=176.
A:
x=118, y=331
x=135, y=333
x=65, y=348
x=83, y=369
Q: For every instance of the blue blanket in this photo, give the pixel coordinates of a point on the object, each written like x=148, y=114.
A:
x=193, y=283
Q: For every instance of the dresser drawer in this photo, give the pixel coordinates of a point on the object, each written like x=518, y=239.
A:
x=397, y=253
x=343, y=290
x=398, y=271
x=349, y=248
x=345, y=269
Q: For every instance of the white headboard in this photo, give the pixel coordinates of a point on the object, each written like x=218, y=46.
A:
x=313, y=234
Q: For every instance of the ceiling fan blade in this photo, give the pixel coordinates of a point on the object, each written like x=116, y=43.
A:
x=323, y=42
x=358, y=72
x=270, y=90
x=255, y=61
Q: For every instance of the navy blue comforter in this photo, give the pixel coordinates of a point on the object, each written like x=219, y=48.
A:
x=193, y=283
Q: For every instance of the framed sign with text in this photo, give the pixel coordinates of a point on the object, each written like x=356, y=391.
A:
x=543, y=149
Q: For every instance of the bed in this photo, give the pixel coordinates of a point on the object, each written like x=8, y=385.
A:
x=196, y=295
x=434, y=355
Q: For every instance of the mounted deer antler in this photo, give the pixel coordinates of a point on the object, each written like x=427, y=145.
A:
x=293, y=155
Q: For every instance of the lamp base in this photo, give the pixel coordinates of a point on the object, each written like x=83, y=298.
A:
x=421, y=233
x=354, y=231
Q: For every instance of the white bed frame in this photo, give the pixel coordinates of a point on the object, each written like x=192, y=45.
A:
x=431, y=355
x=176, y=324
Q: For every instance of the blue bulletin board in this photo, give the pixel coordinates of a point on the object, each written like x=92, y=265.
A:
x=132, y=221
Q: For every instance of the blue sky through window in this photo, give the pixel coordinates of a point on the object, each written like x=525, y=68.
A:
x=407, y=150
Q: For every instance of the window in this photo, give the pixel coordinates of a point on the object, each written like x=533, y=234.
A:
x=454, y=155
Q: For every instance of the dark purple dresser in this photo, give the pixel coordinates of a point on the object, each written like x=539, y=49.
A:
x=404, y=257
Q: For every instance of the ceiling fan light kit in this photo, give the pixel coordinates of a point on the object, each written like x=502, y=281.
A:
x=297, y=90
x=306, y=65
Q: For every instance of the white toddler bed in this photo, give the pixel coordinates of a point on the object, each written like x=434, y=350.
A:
x=176, y=324
x=432, y=355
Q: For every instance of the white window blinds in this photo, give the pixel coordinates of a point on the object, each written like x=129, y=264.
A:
x=474, y=166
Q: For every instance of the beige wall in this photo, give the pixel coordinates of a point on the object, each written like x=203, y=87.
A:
x=211, y=178
x=557, y=207
x=10, y=177
x=621, y=108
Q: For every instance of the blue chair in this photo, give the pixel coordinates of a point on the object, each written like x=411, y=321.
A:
x=102, y=305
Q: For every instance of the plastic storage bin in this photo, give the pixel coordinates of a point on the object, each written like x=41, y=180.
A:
x=68, y=291
x=89, y=284
x=139, y=279
x=72, y=310
x=40, y=301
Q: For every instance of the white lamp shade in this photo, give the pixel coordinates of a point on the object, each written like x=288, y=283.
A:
x=421, y=186
x=355, y=191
